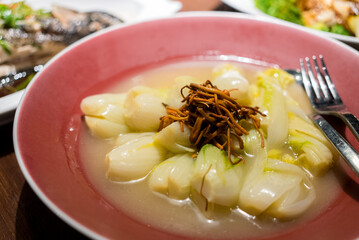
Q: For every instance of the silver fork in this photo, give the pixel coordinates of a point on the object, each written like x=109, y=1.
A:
x=323, y=94
x=325, y=100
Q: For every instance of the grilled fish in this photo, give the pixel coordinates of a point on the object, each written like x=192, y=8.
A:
x=33, y=39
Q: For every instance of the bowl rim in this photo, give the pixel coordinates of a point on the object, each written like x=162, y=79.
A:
x=26, y=172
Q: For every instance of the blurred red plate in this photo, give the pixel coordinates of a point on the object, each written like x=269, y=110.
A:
x=48, y=120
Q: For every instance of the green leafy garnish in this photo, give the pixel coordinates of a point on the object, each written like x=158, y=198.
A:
x=339, y=29
x=10, y=15
x=6, y=46
x=288, y=10
x=283, y=9
x=25, y=82
x=320, y=26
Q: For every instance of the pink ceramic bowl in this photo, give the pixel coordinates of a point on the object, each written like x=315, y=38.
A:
x=48, y=120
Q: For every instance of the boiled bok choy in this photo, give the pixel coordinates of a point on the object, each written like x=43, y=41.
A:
x=228, y=76
x=215, y=178
x=104, y=114
x=200, y=140
x=134, y=159
x=271, y=86
x=280, y=188
x=314, y=151
x=143, y=108
x=173, y=176
x=174, y=139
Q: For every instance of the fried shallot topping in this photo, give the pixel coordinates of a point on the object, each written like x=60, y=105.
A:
x=213, y=116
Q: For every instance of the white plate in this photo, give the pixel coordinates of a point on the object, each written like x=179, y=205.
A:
x=127, y=10
x=248, y=6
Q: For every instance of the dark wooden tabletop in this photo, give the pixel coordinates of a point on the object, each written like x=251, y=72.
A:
x=22, y=213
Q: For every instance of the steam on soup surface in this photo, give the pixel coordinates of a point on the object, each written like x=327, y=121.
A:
x=263, y=169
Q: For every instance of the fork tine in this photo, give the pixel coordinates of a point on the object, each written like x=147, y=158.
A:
x=312, y=79
x=306, y=82
x=329, y=81
x=322, y=84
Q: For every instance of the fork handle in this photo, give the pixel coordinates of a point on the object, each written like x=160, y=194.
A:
x=344, y=148
x=352, y=122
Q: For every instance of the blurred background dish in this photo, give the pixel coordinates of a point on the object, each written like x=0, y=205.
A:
x=128, y=10
x=248, y=6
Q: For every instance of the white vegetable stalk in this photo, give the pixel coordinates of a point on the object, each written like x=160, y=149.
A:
x=143, y=109
x=104, y=114
x=173, y=177
x=265, y=190
x=228, y=77
x=274, y=104
x=253, y=167
x=134, y=159
x=298, y=125
x=174, y=97
x=104, y=128
x=104, y=105
x=173, y=139
x=296, y=200
x=278, y=188
x=129, y=137
x=294, y=108
x=215, y=178
x=314, y=151
x=257, y=157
